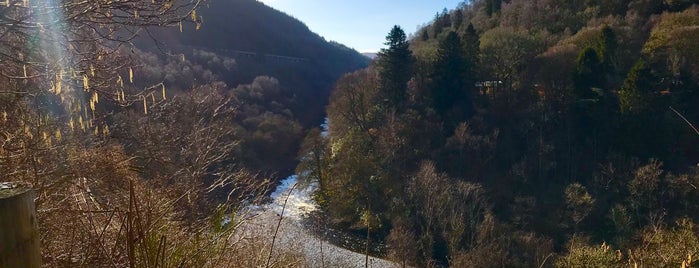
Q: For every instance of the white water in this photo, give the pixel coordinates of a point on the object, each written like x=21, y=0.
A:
x=292, y=234
x=291, y=202
x=298, y=198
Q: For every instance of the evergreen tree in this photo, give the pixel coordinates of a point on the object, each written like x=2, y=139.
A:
x=441, y=21
x=451, y=83
x=472, y=49
x=589, y=73
x=457, y=19
x=395, y=68
x=606, y=48
x=492, y=6
x=636, y=94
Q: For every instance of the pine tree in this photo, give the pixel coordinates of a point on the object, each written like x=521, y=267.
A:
x=395, y=68
x=457, y=19
x=606, y=48
x=472, y=49
x=441, y=21
x=451, y=83
x=589, y=73
x=492, y=7
x=635, y=95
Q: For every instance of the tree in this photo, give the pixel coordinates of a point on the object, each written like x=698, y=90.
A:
x=492, y=6
x=452, y=85
x=589, y=73
x=553, y=70
x=636, y=94
x=472, y=43
x=395, y=68
x=441, y=20
x=645, y=8
x=579, y=201
x=424, y=35
x=673, y=41
x=457, y=18
x=401, y=244
x=447, y=214
x=63, y=66
x=580, y=255
x=505, y=52
x=72, y=50
x=351, y=105
x=314, y=160
x=644, y=194
x=668, y=247
x=190, y=144
x=606, y=49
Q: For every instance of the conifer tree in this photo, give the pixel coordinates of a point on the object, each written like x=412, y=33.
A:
x=472, y=50
x=450, y=78
x=457, y=19
x=492, y=6
x=636, y=93
x=441, y=21
x=424, y=36
x=589, y=73
x=608, y=44
x=606, y=48
x=395, y=68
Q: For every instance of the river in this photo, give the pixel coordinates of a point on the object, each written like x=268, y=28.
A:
x=293, y=233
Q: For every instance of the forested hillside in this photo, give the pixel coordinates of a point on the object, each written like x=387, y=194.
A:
x=522, y=134
x=278, y=71
x=239, y=40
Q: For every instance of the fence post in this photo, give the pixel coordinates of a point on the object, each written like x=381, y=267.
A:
x=19, y=240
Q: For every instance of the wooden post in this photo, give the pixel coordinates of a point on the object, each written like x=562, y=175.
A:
x=19, y=240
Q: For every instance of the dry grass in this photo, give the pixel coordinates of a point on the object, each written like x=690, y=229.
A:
x=106, y=216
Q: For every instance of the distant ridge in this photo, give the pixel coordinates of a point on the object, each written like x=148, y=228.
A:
x=264, y=42
x=371, y=55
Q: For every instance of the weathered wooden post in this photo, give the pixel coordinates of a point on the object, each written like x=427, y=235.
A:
x=19, y=240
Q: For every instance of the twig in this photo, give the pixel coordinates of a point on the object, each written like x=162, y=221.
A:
x=545, y=259
x=685, y=120
x=276, y=231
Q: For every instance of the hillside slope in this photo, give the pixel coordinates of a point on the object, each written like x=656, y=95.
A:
x=262, y=41
x=522, y=133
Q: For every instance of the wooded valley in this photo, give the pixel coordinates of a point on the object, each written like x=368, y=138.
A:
x=503, y=133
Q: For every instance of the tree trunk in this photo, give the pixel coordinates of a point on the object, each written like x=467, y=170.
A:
x=19, y=240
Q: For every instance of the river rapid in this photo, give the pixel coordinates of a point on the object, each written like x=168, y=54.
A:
x=292, y=202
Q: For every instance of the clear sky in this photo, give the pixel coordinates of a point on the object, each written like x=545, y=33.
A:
x=361, y=24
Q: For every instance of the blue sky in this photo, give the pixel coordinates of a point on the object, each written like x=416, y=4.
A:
x=361, y=24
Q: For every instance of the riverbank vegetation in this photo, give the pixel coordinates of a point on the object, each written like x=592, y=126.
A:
x=522, y=134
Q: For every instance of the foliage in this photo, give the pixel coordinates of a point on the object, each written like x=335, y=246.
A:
x=395, y=68
x=579, y=201
x=581, y=255
x=552, y=144
x=506, y=51
x=451, y=78
x=635, y=96
x=261, y=41
x=671, y=41
x=589, y=74
x=127, y=173
x=529, y=137
x=668, y=247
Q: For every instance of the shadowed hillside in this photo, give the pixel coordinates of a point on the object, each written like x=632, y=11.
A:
x=262, y=41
